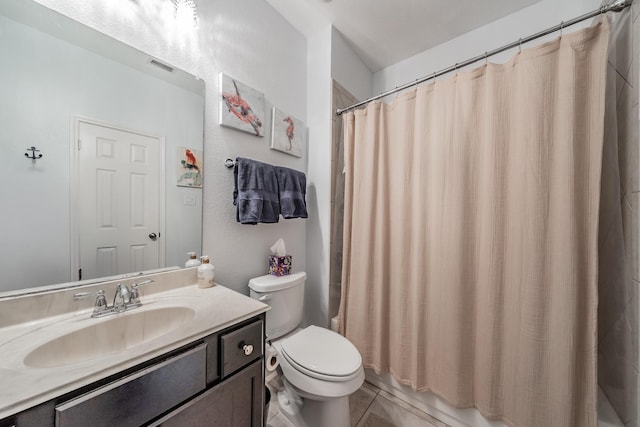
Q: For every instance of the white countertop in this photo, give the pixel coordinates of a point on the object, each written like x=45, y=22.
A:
x=22, y=387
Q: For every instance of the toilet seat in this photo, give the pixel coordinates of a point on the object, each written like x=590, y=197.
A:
x=322, y=354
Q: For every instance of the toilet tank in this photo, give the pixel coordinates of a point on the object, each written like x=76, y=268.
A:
x=285, y=295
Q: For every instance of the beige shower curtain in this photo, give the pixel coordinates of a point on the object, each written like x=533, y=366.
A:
x=470, y=234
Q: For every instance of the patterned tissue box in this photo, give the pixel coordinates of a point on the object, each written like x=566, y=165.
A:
x=279, y=265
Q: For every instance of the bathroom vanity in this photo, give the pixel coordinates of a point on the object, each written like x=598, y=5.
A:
x=196, y=359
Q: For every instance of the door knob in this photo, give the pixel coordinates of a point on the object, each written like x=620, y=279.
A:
x=153, y=236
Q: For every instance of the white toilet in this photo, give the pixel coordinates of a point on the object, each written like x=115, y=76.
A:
x=321, y=368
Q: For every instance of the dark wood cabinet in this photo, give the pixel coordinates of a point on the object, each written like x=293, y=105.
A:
x=215, y=381
x=236, y=402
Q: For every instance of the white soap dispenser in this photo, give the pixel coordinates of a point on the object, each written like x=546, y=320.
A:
x=193, y=261
x=205, y=273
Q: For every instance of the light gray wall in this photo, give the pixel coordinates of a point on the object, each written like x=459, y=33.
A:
x=348, y=69
x=45, y=81
x=248, y=41
x=318, y=229
x=329, y=57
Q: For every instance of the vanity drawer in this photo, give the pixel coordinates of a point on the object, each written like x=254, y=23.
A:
x=139, y=397
x=240, y=347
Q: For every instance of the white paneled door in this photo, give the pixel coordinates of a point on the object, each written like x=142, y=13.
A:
x=119, y=176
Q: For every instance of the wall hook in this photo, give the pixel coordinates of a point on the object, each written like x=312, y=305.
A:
x=33, y=155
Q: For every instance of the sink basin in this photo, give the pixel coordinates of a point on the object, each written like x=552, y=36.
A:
x=111, y=335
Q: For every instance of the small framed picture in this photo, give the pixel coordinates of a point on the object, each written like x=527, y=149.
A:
x=288, y=134
x=241, y=107
x=190, y=167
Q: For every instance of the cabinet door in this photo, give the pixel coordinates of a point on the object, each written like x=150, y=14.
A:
x=235, y=402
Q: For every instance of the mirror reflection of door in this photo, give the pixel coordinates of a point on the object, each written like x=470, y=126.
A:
x=119, y=176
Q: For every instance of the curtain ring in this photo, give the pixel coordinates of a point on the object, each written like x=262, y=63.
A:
x=434, y=77
x=561, y=27
x=520, y=45
x=455, y=67
x=486, y=58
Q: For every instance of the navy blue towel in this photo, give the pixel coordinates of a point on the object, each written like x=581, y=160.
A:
x=292, y=186
x=256, y=192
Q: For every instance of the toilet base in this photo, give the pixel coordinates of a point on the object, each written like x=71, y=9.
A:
x=306, y=412
x=290, y=408
x=326, y=413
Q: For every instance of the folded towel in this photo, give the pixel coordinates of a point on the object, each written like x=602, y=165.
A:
x=292, y=186
x=256, y=192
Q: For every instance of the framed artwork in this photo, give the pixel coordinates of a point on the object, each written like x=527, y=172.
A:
x=241, y=107
x=190, y=167
x=287, y=133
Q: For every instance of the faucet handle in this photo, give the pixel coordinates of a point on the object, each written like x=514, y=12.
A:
x=100, y=305
x=135, y=294
x=144, y=282
x=83, y=295
x=80, y=295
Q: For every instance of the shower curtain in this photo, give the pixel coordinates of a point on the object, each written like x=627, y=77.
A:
x=471, y=231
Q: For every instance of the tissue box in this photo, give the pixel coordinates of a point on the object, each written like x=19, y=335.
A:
x=279, y=265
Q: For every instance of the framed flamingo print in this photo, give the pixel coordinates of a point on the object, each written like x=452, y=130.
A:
x=241, y=107
x=287, y=133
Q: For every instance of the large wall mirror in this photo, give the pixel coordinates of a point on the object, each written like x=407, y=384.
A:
x=113, y=126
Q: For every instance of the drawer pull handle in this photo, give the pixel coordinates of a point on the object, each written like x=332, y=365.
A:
x=248, y=349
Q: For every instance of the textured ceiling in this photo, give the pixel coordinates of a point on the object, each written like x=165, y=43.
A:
x=384, y=32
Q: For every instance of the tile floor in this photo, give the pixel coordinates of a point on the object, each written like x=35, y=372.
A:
x=370, y=407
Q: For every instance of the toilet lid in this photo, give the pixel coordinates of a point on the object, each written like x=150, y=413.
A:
x=321, y=351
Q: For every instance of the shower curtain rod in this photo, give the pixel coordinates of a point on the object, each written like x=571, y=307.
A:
x=616, y=6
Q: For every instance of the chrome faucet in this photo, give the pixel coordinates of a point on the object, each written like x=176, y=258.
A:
x=123, y=300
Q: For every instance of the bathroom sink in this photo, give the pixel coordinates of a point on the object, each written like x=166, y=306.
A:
x=111, y=335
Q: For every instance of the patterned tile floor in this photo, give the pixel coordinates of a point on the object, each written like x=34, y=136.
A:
x=370, y=407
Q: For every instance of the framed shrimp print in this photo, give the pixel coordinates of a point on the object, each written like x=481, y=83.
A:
x=241, y=107
x=287, y=133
